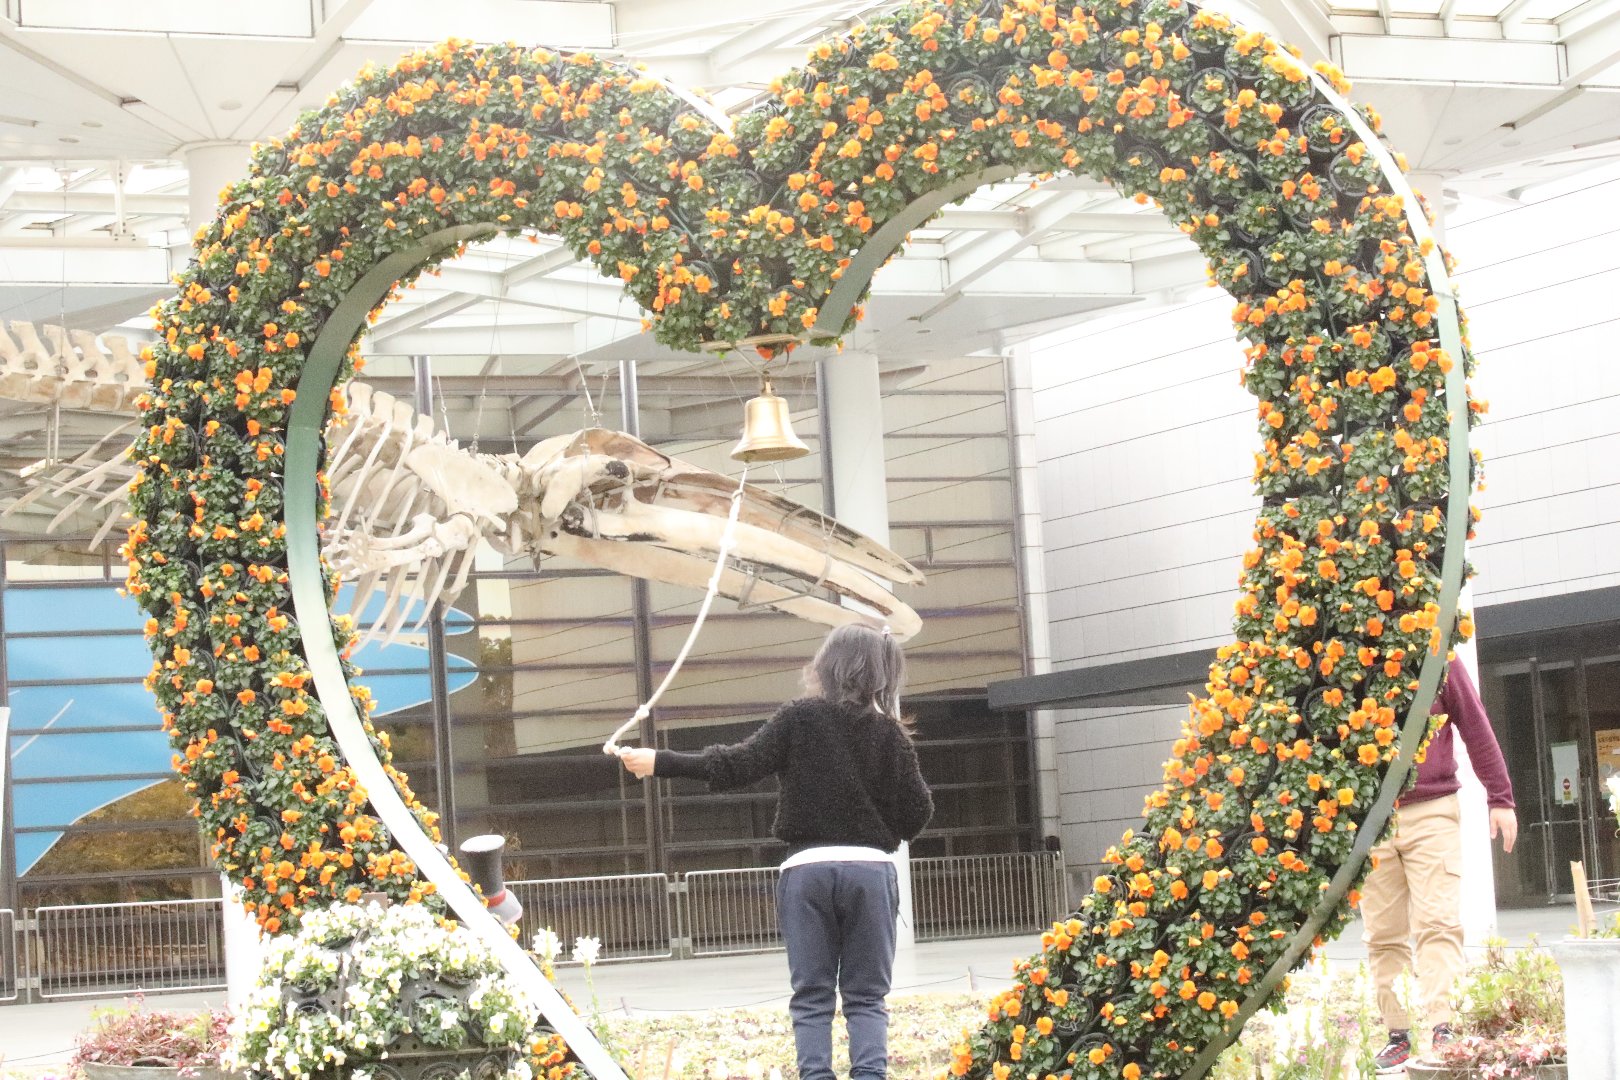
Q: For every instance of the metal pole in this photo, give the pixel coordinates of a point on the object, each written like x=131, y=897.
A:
x=1539, y=726
x=444, y=751
x=8, y=831
x=641, y=635
x=829, y=493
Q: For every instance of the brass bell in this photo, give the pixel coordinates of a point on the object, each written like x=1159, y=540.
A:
x=767, y=433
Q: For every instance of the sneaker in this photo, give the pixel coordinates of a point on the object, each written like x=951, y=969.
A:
x=1441, y=1035
x=1392, y=1059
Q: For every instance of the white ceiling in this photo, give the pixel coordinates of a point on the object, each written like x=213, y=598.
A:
x=103, y=102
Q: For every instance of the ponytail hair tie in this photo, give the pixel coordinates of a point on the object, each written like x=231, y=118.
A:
x=886, y=631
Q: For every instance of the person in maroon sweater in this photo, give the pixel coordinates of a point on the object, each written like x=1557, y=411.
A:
x=1413, y=890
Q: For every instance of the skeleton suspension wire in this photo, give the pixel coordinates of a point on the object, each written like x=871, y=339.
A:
x=593, y=416
x=491, y=362
x=727, y=538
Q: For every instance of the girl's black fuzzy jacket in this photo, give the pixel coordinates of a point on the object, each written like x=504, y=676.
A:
x=848, y=775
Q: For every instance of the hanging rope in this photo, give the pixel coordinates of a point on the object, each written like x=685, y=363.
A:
x=727, y=538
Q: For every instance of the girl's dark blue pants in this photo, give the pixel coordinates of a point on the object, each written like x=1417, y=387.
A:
x=838, y=919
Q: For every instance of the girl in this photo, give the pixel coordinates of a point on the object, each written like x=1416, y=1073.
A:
x=851, y=794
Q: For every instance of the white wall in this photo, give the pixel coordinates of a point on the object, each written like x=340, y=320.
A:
x=1145, y=440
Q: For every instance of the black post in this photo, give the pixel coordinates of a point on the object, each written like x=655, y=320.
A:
x=444, y=752
x=641, y=619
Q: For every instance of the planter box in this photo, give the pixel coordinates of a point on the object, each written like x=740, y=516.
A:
x=94, y=1071
x=1419, y=1071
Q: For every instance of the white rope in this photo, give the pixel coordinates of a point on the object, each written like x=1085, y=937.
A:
x=727, y=537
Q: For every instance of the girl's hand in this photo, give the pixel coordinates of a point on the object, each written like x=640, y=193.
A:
x=639, y=761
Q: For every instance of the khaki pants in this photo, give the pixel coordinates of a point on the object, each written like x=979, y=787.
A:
x=1414, y=892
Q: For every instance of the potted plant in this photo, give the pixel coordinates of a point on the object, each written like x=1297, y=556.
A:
x=355, y=986
x=137, y=1043
x=1509, y=1023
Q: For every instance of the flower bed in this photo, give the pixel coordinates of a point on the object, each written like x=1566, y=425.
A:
x=1287, y=766
x=357, y=984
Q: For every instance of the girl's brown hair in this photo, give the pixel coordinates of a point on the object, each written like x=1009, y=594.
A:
x=862, y=666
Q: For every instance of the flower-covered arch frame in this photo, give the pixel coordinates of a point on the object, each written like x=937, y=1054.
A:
x=769, y=233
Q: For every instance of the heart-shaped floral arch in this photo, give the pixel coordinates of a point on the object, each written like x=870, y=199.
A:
x=1287, y=769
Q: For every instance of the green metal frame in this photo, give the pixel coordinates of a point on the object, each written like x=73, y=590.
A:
x=303, y=462
x=304, y=442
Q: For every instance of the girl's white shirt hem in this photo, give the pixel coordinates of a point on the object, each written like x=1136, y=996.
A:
x=836, y=853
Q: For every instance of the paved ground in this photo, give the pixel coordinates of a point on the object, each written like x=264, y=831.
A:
x=35, y=1036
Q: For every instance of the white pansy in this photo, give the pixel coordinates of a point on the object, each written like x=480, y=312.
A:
x=372, y=953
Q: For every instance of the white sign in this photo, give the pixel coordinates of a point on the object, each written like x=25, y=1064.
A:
x=1566, y=767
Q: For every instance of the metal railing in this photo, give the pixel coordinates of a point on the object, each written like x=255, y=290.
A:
x=731, y=911
x=10, y=969
x=967, y=896
x=631, y=915
x=958, y=896
x=93, y=950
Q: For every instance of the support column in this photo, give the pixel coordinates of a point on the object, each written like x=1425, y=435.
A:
x=1478, y=870
x=444, y=750
x=8, y=825
x=210, y=167
x=854, y=484
x=1031, y=562
x=641, y=636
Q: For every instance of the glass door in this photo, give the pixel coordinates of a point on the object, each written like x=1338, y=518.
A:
x=1510, y=696
x=1566, y=809
x=1558, y=721
x=1603, y=712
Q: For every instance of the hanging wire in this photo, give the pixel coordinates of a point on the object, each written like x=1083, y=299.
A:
x=727, y=538
x=592, y=416
x=493, y=355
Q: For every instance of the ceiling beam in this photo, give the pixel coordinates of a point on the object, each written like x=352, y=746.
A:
x=957, y=220
x=9, y=179
x=1448, y=10
x=596, y=297
x=539, y=266
x=694, y=69
x=422, y=315
x=1175, y=271
x=513, y=340
x=1406, y=60
x=1508, y=17
x=595, y=300
x=767, y=34
x=93, y=202
x=967, y=264
x=528, y=386
x=1589, y=49
x=525, y=419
